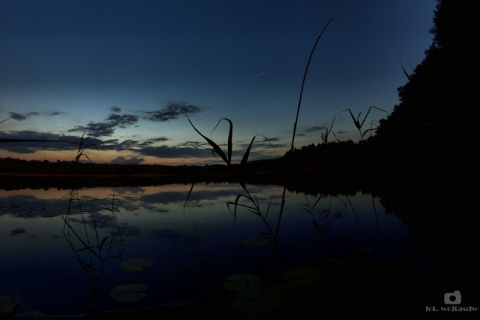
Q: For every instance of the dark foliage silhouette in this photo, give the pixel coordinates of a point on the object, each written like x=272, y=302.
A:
x=434, y=126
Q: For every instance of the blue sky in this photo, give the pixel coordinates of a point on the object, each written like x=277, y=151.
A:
x=125, y=72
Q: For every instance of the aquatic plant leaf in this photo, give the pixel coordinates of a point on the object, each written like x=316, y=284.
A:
x=302, y=275
x=242, y=281
x=336, y=262
x=253, y=306
x=136, y=264
x=254, y=242
x=247, y=306
x=249, y=294
x=6, y=305
x=364, y=249
x=129, y=292
x=278, y=290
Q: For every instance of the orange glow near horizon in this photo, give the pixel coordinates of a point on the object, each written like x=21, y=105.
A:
x=108, y=156
x=105, y=157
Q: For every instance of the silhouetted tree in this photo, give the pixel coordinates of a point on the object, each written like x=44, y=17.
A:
x=434, y=126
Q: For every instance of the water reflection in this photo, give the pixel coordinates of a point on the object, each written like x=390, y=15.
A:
x=64, y=252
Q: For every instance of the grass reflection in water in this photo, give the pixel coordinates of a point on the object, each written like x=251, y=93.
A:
x=142, y=245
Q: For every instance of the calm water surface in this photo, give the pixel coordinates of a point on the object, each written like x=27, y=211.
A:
x=62, y=250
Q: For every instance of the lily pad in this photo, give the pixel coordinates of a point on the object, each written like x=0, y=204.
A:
x=335, y=262
x=279, y=290
x=247, y=306
x=129, y=292
x=137, y=264
x=249, y=294
x=364, y=249
x=302, y=275
x=242, y=282
x=254, y=242
x=253, y=306
x=6, y=305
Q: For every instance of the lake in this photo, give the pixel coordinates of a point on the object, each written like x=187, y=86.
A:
x=93, y=249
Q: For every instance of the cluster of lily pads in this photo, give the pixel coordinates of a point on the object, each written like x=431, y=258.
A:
x=254, y=296
x=132, y=292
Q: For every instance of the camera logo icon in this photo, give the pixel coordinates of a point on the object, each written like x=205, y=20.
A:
x=452, y=297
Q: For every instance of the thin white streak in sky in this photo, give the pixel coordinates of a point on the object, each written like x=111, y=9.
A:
x=258, y=75
x=139, y=57
x=243, y=83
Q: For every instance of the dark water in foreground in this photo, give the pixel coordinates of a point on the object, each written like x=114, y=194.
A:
x=66, y=252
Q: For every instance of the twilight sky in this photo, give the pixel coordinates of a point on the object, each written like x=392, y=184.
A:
x=125, y=72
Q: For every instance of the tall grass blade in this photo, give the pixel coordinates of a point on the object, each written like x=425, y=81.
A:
x=367, y=131
x=359, y=124
x=327, y=132
x=229, y=142
x=247, y=152
x=292, y=146
x=405, y=71
x=282, y=202
x=303, y=86
x=215, y=147
x=82, y=145
x=355, y=120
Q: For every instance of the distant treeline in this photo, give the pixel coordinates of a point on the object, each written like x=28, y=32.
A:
x=18, y=166
x=312, y=158
x=335, y=165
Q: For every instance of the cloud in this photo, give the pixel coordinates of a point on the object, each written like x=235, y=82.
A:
x=71, y=142
x=149, y=142
x=123, y=120
x=17, y=116
x=311, y=130
x=123, y=160
x=33, y=146
x=22, y=117
x=107, y=128
x=174, y=152
x=126, y=144
x=130, y=145
x=262, y=143
x=172, y=111
x=315, y=129
x=96, y=129
x=189, y=149
x=66, y=142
